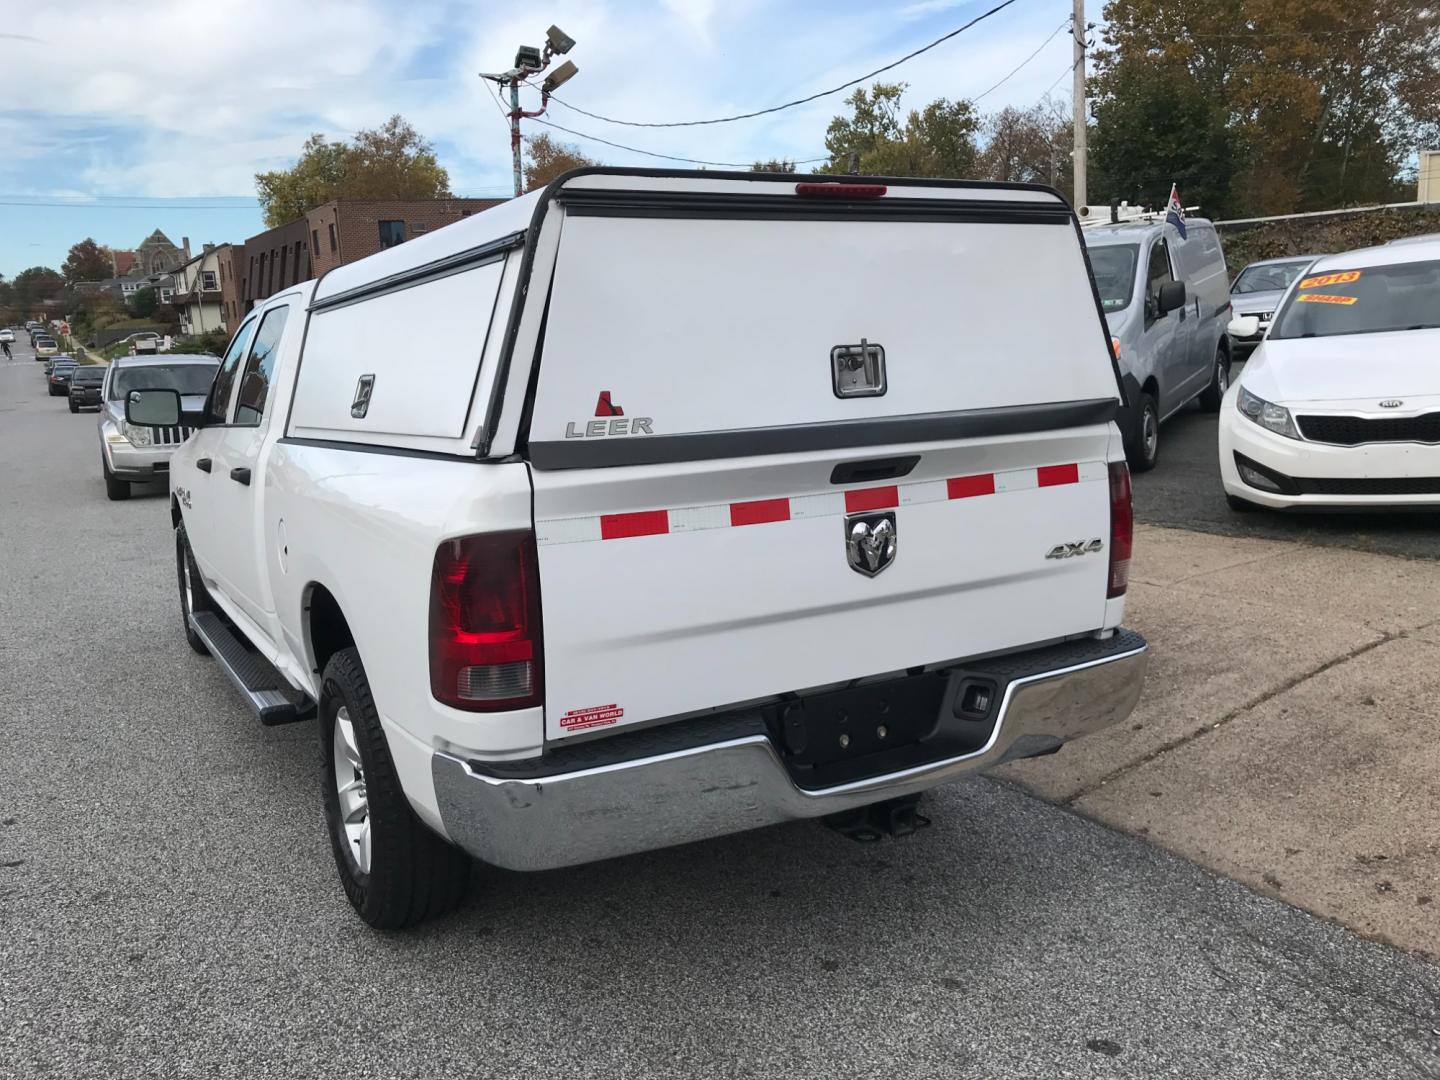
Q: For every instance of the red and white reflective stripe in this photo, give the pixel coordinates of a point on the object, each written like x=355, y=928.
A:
x=825, y=504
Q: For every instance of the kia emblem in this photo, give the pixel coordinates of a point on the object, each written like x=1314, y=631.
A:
x=1391, y=403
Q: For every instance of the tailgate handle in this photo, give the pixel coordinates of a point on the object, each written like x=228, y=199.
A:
x=865, y=472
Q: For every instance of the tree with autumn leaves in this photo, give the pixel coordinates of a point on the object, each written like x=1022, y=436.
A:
x=1259, y=107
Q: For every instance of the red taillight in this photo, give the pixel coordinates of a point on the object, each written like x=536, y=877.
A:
x=485, y=642
x=1122, y=528
x=840, y=191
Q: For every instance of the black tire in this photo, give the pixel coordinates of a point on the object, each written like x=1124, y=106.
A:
x=1239, y=505
x=73, y=406
x=116, y=490
x=414, y=875
x=197, y=599
x=1213, y=394
x=1143, y=446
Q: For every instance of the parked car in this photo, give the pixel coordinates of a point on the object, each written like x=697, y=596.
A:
x=137, y=453
x=85, y=387
x=374, y=535
x=59, y=376
x=1258, y=290
x=45, y=346
x=1340, y=405
x=1166, y=301
x=7, y=335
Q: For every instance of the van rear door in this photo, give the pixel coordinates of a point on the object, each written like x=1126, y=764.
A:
x=781, y=441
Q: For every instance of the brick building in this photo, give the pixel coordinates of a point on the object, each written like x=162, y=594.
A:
x=337, y=232
x=345, y=230
x=275, y=260
x=232, y=281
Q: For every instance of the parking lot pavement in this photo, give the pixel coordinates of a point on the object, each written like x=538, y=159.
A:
x=1286, y=733
x=169, y=907
x=1184, y=491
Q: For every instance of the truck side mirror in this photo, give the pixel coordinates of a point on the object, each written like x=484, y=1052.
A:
x=153, y=407
x=1243, y=326
x=1172, y=296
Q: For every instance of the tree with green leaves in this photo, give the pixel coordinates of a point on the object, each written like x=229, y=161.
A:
x=37, y=284
x=143, y=303
x=392, y=161
x=937, y=141
x=775, y=165
x=547, y=158
x=87, y=261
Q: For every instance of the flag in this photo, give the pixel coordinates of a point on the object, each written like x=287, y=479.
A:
x=1175, y=213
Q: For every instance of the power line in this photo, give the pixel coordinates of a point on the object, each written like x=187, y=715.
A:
x=504, y=112
x=1069, y=69
x=667, y=157
x=1022, y=63
x=798, y=101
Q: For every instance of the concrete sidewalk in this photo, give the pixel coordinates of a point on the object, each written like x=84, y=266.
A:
x=1289, y=735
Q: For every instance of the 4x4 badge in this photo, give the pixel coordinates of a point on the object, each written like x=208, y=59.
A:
x=870, y=542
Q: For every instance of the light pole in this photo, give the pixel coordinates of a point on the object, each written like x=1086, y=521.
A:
x=531, y=61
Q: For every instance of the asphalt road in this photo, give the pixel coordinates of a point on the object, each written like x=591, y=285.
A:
x=168, y=905
x=1184, y=490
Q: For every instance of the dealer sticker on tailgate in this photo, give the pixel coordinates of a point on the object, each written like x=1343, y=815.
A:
x=592, y=717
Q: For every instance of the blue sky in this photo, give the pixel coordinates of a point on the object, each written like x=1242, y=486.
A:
x=161, y=113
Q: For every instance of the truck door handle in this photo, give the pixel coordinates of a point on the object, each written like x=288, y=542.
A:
x=241, y=474
x=867, y=472
x=203, y=464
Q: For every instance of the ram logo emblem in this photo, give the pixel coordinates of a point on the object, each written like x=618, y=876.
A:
x=870, y=542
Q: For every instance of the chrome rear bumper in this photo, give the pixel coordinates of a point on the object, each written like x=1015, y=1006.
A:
x=539, y=823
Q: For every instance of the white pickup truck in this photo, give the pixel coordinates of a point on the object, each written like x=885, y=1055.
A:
x=654, y=506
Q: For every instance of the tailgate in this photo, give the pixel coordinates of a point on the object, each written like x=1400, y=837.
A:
x=780, y=453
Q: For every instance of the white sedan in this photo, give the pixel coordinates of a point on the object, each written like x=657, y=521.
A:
x=1340, y=404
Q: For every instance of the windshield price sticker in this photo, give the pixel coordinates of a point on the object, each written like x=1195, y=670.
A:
x=1343, y=278
x=1323, y=298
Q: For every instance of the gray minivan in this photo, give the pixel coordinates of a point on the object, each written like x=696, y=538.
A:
x=1167, y=302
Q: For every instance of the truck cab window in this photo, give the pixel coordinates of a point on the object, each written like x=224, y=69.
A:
x=255, y=383
x=219, y=405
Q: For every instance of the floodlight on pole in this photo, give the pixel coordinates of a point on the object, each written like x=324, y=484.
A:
x=557, y=41
x=559, y=77
x=531, y=61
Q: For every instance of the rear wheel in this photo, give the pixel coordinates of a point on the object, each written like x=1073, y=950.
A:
x=116, y=489
x=194, y=597
x=1143, y=449
x=394, y=870
x=1213, y=394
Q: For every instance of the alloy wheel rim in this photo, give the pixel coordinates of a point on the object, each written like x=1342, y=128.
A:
x=350, y=790
x=1152, y=433
x=1222, y=376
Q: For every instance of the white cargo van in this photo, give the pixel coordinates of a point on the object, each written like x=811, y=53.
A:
x=654, y=506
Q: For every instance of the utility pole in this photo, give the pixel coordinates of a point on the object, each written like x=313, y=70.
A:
x=515, y=115
x=531, y=61
x=1077, y=31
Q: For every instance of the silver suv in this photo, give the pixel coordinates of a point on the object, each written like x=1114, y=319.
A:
x=133, y=454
